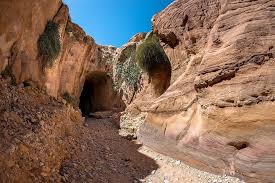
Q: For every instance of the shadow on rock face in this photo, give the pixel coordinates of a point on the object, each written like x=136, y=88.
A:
x=98, y=94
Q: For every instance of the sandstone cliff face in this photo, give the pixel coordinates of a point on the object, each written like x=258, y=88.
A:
x=21, y=25
x=80, y=58
x=219, y=113
x=126, y=74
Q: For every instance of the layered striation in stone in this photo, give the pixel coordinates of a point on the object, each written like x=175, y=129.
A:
x=219, y=112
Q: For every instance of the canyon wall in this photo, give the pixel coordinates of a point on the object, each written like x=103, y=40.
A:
x=38, y=131
x=79, y=58
x=219, y=112
x=22, y=23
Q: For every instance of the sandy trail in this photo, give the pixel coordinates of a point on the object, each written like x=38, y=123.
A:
x=104, y=156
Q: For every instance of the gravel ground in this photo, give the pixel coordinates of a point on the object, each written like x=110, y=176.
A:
x=174, y=171
x=102, y=156
x=105, y=156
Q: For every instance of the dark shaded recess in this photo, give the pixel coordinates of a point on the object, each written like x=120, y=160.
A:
x=98, y=95
x=184, y=21
x=239, y=145
x=160, y=76
x=85, y=103
x=170, y=39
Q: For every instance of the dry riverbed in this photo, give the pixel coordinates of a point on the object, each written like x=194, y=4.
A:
x=104, y=156
x=174, y=171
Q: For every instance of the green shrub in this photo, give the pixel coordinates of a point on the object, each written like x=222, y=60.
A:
x=150, y=54
x=7, y=73
x=127, y=70
x=49, y=45
x=131, y=74
x=68, y=98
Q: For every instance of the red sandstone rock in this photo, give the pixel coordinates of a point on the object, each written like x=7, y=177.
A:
x=37, y=133
x=219, y=113
x=80, y=58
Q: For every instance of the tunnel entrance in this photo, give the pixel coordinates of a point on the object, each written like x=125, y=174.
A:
x=98, y=95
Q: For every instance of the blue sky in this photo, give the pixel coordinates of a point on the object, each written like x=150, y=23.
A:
x=114, y=22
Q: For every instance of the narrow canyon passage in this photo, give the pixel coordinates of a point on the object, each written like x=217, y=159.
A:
x=98, y=95
x=97, y=92
x=102, y=156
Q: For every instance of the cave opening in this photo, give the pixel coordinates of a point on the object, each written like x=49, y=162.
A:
x=98, y=95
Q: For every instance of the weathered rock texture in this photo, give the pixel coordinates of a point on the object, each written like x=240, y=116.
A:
x=138, y=88
x=219, y=113
x=126, y=74
x=21, y=25
x=148, y=86
x=37, y=133
x=79, y=58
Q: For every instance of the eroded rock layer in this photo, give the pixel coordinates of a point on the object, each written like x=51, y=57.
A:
x=23, y=23
x=37, y=133
x=219, y=113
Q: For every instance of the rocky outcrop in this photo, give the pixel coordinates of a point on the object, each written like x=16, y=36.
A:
x=79, y=59
x=37, y=133
x=218, y=114
x=79, y=56
x=21, y=25
x=127, y=76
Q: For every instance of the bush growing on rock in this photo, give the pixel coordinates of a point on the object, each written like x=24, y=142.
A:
x=131, y=74
x=128, y=70
x=150, y=54
x=49, y=45
x=7, y=73
x=151, y=57
x=68, y=98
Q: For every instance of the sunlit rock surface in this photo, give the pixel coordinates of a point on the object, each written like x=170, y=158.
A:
x=219, y=112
